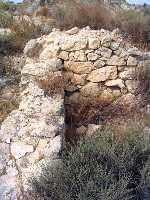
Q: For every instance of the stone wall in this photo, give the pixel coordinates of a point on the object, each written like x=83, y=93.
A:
x=31, y=136
x=98, y=65
x=91, y=66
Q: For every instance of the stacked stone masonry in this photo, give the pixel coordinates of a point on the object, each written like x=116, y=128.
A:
x=85, y=63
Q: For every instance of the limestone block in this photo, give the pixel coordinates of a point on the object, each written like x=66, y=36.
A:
x=92, y=56
x=19, y=149
x=94, y=43
x=79, y=67
x=103, y=74
x=77, y=56
x=127, y=74
x=106, y=52
x=118, y=83
x=64, y=55
x=99, y=63
x=116, y=60
x=90, y=89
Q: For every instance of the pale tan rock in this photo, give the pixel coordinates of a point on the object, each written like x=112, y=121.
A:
x=67, y=44
x=106, y=41
x=42, y=144
x=19, y=149
x=42, y=69
x=77, y=56
x=99, y=63
x=73, y=31
x=53, y=148
x=64, y=55
x=118, y=83
x=132, y=61
x=127, y=74
x=106, y=52
x=92, y=56
x=94, y=43
x=49, y=52
x=79, y=67
x=80, y=43
x=115, y=46
x=122, y=53
x=117, y=61
x=78, y=79
x=90, y=89
x=103, y=74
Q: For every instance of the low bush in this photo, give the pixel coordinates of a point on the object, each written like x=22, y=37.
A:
x=72, y=13
x=135, y=23
x=21, y=29
x=103, y=166
x=4, y=5
x=143, y=76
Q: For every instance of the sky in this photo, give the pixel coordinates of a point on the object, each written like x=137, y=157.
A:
x=130, y=1
x=139, y=1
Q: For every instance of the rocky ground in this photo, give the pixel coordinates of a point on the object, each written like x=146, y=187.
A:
x=94, y=68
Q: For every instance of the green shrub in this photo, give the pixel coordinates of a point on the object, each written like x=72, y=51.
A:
x=103, y=167
x=22, y=31
x=4, y=5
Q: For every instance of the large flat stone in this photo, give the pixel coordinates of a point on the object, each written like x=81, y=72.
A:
x=103, y=74
x=79, y=67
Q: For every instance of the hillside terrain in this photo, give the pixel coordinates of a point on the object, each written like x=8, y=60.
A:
x=74, y=100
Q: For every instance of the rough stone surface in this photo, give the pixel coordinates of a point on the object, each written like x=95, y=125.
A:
x=89, y=65
x=19, y=149
x=103, y=74
x=117, y=61
x=79, y=67
x=118, y=83
x=90, y=89
x=132, y=61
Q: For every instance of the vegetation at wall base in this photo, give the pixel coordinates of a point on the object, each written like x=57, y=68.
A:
x=103, y=166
